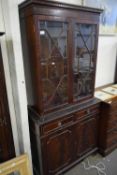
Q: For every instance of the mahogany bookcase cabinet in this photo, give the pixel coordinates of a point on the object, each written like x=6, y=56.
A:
x=60, y=47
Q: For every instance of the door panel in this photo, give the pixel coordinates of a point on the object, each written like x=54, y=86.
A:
x=84, y=60
x=54, y=62
x=87, y=135
x=59, y=150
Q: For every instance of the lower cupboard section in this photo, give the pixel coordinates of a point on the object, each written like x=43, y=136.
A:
x=59, y=144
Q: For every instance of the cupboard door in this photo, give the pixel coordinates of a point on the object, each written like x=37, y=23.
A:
x=54, y=63
x=86, y=132
x=84, y=60
x=59, y=150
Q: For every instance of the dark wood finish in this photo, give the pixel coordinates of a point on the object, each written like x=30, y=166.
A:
x=61, y=143
x=59, y=43
x=62, y=5
x=87, y=140
x=6, y=139
x=32, y=14
x=108, y=127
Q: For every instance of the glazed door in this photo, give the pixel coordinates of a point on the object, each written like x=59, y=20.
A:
x=54, y=62
x=85, y=39
x=6, y=140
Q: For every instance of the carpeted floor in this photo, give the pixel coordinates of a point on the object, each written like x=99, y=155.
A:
x=109, y=161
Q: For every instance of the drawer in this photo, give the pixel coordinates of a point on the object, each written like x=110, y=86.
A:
x=112, y=137
x=112, y=121
x=112, y=117
x=57, y=124
x=113, y=107
x=87, y=111
x=111, y=125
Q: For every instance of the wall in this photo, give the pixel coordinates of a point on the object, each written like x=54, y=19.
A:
x=1, y=20
x=106, y=61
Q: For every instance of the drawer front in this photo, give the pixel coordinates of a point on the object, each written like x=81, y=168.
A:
x=87, y=111
x=112, y=137
x=113, y=107
x=69, y=119
x=57, y=124
x=112, y=121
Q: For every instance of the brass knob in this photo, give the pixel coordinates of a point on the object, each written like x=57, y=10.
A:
x=59, y=124
x=88, y=111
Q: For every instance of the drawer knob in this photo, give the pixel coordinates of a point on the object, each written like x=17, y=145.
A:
x=59, y=124
x=88, y=111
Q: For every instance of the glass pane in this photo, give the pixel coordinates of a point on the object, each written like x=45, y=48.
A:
x=53, y=45
x=83, y=65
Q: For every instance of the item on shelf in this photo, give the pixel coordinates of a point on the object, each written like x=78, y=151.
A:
x=103, y=95
x=114, y=85
x=110, y=90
